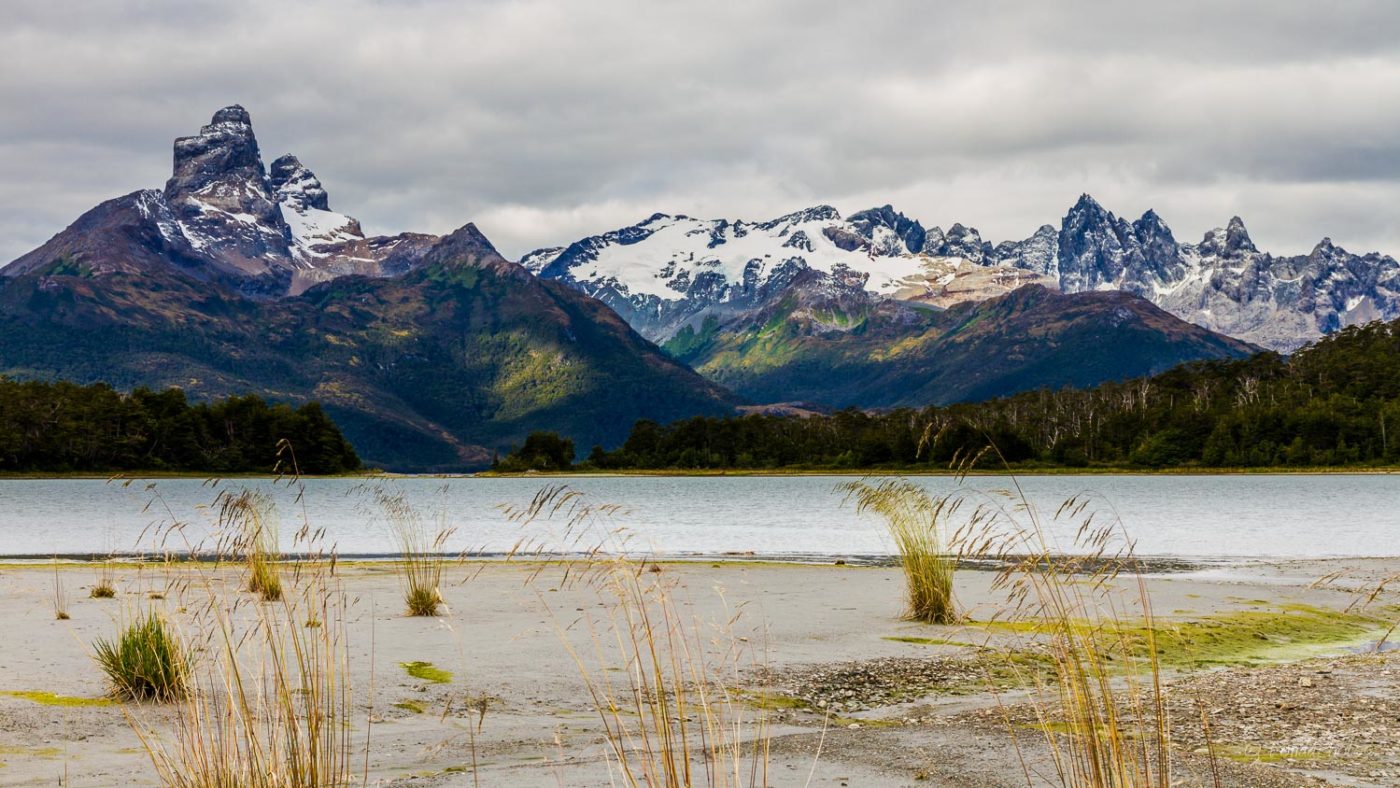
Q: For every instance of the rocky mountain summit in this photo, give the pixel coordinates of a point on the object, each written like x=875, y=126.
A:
x=223, y=216
x=237, y=280
x=667, y=273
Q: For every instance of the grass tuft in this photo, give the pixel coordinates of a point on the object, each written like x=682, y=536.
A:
x=145, y=662
x=60, y=596
x=915, y=523
x=422, y=556
x=105, y=586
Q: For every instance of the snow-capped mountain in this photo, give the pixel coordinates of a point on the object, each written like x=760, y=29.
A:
x=223, y=215
x=670, y=272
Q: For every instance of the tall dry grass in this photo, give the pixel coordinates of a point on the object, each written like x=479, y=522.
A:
x=247, y=518
x=105, y=584
x=1101, y=704
x=270, y=703
x=272, y=709
x=60, y=595
x=422, y=553
x=664, y=684
x=917, y=523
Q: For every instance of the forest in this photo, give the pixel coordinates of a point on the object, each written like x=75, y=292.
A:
x=1335, y=403
x=63, y=427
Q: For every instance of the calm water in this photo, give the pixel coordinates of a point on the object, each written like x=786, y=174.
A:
x=1204, y=516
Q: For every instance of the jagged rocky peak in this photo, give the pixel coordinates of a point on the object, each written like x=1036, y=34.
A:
x=222, y=151
x=306, y=208
x=1150, y=228
x=221, y=195
x=958, y=241
x=889, y=231
x=1237, y=238
x=296, y=185
x=1230, y=241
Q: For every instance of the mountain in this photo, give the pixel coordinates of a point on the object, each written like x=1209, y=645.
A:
x=430, y=353
x=670, y=273
x=844, y=347
x=222, y=217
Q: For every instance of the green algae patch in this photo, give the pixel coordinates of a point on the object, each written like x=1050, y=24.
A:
x=410, y=705
x=50, y=699
x=1238, y=638
x=426, y=671
x=929, y=641
x=1259, y=755
x=37, y=752
x=774, y=701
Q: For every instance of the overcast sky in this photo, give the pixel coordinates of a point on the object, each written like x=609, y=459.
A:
x=546, y=121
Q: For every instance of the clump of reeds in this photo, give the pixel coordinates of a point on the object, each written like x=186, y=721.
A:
x=272, y=706
x=273, y=710
x=916, y=522
x=250, y=521
x=105, y=586
x=665, y=692
x=60, y=596
x=1100, y=702
x=421, y=553
x=145, y=662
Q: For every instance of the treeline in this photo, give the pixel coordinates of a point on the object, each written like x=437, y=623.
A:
x=63, y=427
x=1334, y=403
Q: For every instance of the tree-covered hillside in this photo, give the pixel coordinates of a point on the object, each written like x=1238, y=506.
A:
x=62, y=427
x=1334, y=403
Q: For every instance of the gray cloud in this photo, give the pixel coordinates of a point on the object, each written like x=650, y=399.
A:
x=545, y=121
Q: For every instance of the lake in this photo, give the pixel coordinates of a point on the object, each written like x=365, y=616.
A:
x=1246, y=516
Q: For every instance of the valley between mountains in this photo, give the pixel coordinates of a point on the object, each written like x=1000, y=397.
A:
x=435, y=353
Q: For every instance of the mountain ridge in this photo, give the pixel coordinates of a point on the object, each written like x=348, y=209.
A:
x=1223, y=282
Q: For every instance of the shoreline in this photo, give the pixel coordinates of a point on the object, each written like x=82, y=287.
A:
x=124, y=476
x=1151, y=566
x=888, y=702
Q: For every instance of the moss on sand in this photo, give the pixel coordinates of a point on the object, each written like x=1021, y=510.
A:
x=426, y=671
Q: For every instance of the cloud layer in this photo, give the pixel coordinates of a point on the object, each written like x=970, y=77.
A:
x=546, y=121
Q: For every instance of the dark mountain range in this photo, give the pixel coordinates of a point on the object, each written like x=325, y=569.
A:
x=670, y=272
x=842, y=348
x=457, y=355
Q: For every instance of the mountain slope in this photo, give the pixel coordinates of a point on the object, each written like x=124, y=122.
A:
x=436, y=369
x=431, y=353
x=844, y=350
x=672, y=272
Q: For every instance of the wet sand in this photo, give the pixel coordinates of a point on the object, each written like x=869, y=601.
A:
x=502, y=640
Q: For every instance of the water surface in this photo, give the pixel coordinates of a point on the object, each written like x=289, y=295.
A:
x=1242, y=516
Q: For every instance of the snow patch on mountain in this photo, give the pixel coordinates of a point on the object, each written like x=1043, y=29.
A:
x=671, y=271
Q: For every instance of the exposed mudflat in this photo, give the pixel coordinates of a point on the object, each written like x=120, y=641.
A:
x=853, y=695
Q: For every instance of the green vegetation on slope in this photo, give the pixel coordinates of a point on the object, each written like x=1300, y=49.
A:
x=434, y=370
x=839, y=350
x=1333, y=404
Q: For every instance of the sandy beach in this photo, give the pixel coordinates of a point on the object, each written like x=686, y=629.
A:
x=852, y=694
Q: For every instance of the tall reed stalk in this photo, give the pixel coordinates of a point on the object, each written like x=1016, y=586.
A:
x=421, y=554
x=664, y=689
x=916, y=523
x=60, y=595
x=272, y=706
x=250, y=521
